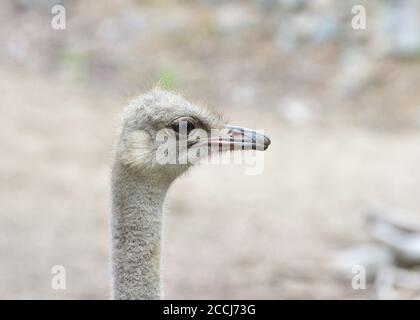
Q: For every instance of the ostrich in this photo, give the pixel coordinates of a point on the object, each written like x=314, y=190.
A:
x=140, y=181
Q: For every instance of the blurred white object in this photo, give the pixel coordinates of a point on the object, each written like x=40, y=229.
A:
x=391, y=230
x=354, y=72
x=397, y=31
x=297, y=112
x=397, y=283
x=397, y=246
x=371, y=257
x=233, y=18
x=384, y=283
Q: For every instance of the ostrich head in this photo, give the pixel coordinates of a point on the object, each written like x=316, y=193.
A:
x=163, y=134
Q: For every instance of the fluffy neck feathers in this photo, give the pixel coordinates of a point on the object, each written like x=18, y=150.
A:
x=137, y=203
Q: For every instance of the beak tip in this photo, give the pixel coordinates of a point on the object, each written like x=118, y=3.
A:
x=267, y=142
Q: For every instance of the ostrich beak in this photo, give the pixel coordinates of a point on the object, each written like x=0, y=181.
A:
x=245, y=139
x=236, y=138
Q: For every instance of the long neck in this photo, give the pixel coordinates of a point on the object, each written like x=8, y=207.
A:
x=136, y=235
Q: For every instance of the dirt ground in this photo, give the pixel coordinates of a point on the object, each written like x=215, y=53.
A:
x=227, y=234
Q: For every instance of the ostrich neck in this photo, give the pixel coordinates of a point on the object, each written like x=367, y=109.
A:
x=137, y=203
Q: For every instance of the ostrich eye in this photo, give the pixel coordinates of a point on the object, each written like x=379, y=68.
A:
x=183, y=125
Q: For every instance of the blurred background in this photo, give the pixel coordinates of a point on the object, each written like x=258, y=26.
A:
x=341, y=105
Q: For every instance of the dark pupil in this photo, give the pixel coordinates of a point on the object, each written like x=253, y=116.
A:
x=190, y=127
x=183, y=126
